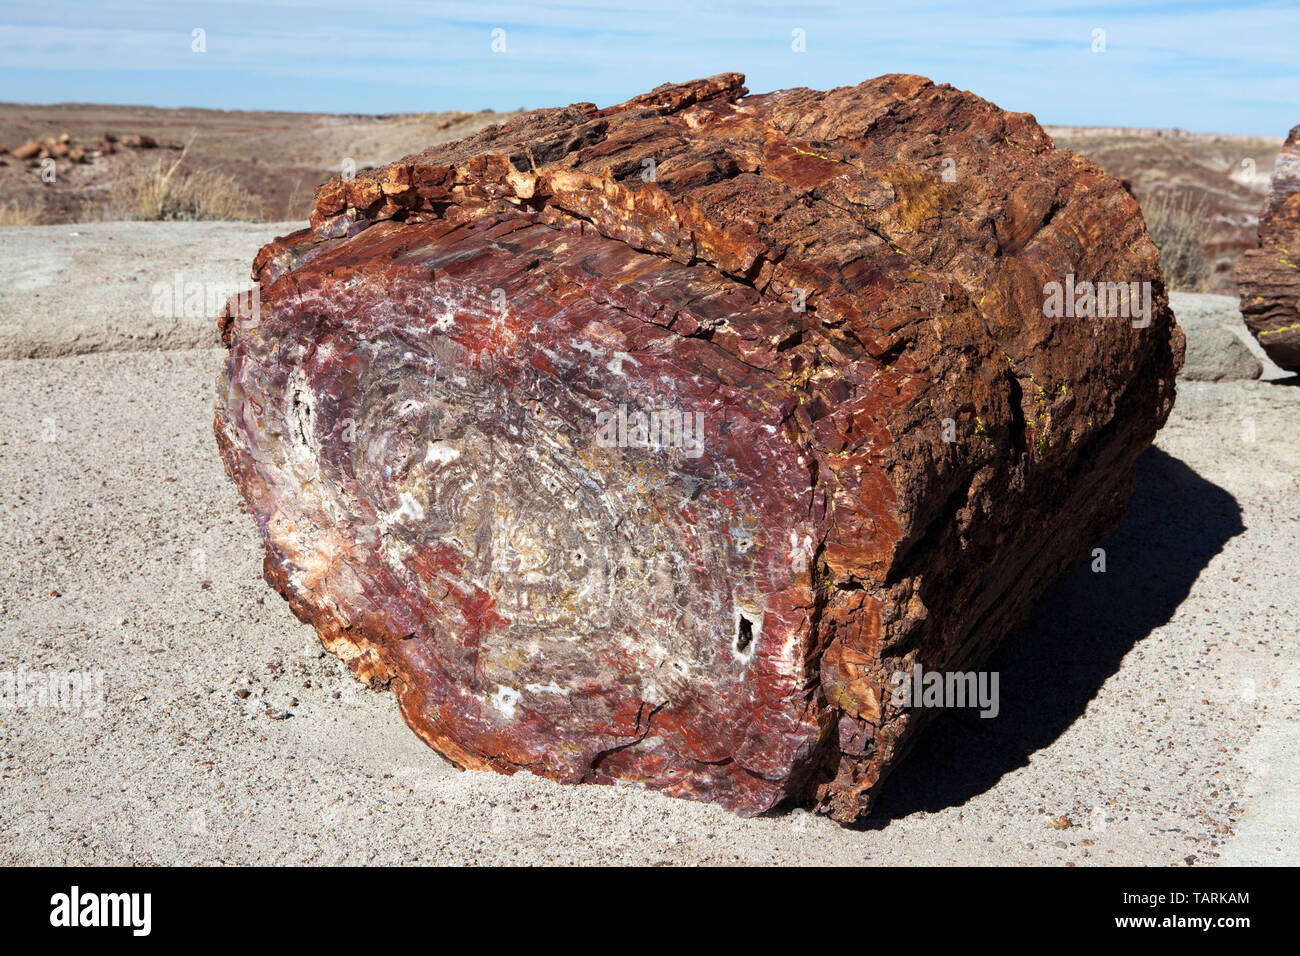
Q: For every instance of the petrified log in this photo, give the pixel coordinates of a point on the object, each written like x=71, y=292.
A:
x=1268, y=278
x=441, y=418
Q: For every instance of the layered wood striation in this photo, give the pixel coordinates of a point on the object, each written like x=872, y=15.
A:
x=1268, y=278
x=412, y=418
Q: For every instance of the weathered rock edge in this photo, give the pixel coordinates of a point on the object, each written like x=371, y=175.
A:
x=1268, y=278
x=410, y=418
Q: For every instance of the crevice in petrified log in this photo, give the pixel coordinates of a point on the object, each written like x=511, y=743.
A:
x=721, y=625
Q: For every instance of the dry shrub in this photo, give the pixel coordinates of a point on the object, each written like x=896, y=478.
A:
x=1176, y=227
x=162, y=192
x=19, y=214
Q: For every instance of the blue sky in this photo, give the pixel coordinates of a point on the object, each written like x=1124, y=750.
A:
x=1199, y=65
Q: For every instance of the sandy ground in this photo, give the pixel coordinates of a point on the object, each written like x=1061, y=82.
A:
x=1154, y=705
x=116, y=286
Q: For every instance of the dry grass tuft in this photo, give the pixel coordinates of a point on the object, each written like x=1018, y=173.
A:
x=1176, y=227
x=16, y=214
x=161, y=192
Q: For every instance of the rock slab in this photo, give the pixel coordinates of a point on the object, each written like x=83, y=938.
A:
x=651, y=444
x=1268, y=278
x=1219, y=346
x=1216, y=354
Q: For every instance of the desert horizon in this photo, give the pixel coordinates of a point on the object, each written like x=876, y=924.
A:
x=1217, y=180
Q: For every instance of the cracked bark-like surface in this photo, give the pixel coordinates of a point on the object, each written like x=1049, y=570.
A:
x=412, y=419
x=1268, y=278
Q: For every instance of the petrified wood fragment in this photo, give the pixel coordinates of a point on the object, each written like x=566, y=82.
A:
x=1268, y=278
x=441, y=418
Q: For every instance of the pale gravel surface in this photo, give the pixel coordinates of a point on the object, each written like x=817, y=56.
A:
x=95, y=287
x=1154, y=705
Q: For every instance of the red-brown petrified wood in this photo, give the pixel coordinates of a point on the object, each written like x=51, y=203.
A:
x=835, y=282
x=1268, y=278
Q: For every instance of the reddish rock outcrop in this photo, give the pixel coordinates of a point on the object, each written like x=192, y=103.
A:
x=1268, y=278
x=64, y=147
x=649, y=443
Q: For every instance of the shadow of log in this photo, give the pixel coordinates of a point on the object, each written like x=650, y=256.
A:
x=1076, y=636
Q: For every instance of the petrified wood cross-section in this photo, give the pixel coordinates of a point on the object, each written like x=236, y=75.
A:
x=464, y=417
